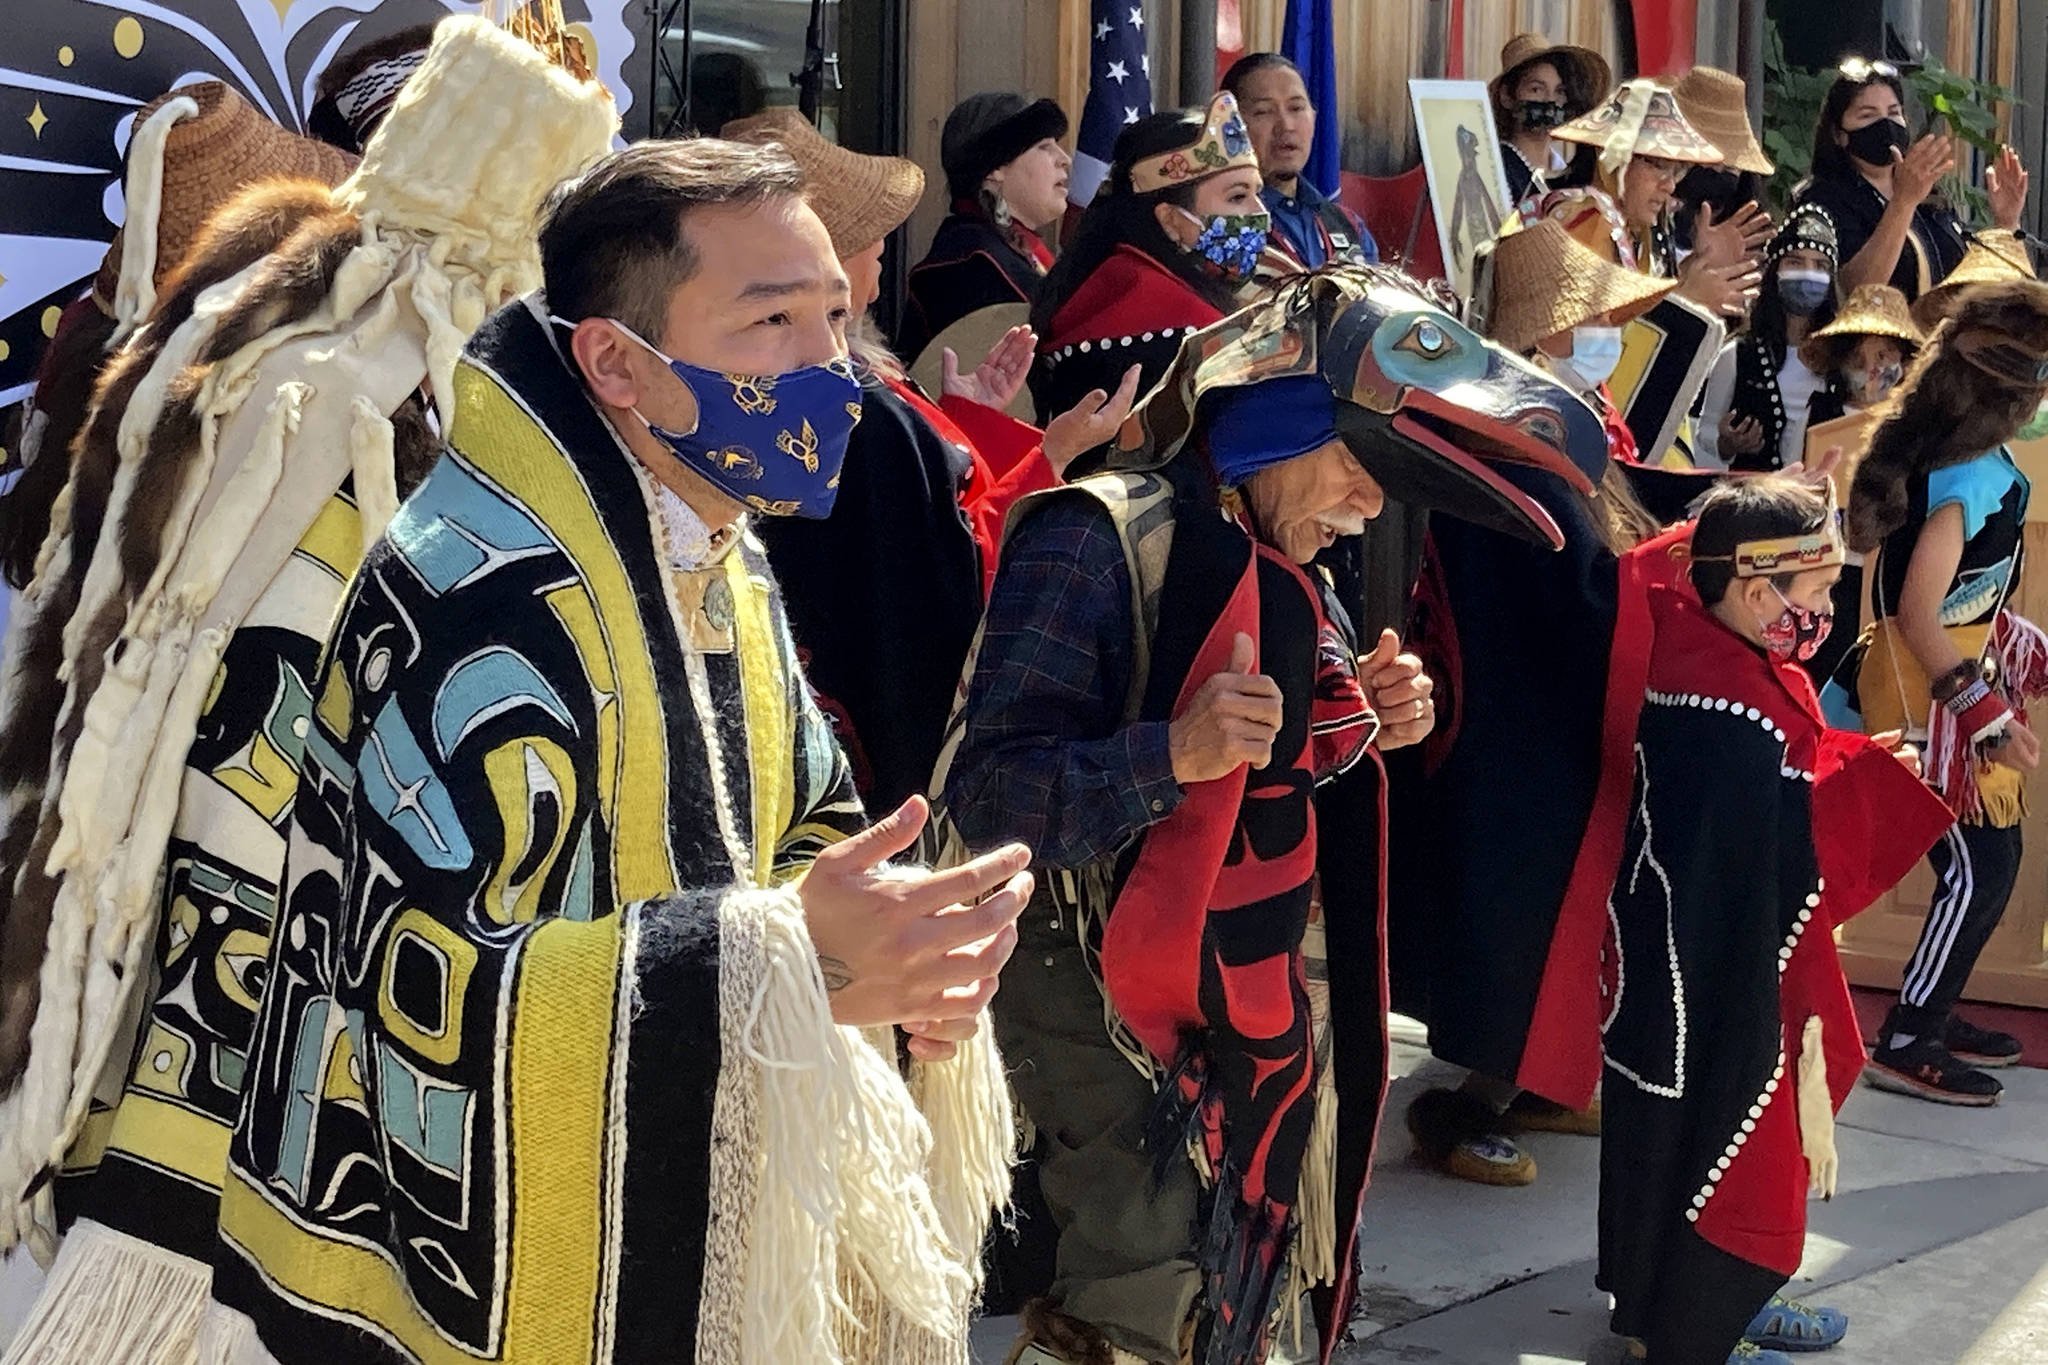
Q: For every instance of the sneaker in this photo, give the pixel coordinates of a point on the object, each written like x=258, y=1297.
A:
x=1979, y=1047
x=1789, y=1325
x=1749, y=1353
x=1925, y=1068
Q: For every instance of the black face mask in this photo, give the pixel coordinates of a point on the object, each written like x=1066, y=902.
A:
x=1874, y=143
x=1539, y=115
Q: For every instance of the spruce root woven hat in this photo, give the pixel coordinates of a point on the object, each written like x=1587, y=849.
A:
x=191, y=150
x=1873, y=310
x=1642, y=118
x=1994, y=256
x=1717, y=103
x=1545, y=281
x=1586, y=73
x=861, y=198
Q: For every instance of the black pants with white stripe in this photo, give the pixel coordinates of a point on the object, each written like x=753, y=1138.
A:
x=1974, y=869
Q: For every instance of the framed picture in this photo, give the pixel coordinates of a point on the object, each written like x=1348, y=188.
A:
x=1468, y=186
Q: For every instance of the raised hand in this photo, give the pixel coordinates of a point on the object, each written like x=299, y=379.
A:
x=1230, y=721
x=908, y=945
x=1745, y=233
x=2005, y=183
x=1000, y=375
x=1921, y=167
x=1724, y=290
x=1089, y=422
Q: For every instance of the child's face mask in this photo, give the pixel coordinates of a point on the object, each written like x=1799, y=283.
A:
x=1798, y=633
x=1866, y=386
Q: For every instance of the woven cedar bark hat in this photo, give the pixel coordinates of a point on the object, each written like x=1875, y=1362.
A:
x=1586, y=74
x=1994, y=256
x=1642, y=118
x=207, y=156
x=861, y=198
x=1717, y=104
x=1873, y=310
x=1545, y=282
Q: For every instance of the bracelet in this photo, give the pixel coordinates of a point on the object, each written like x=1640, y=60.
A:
x=1982, y=718
x=1958, y=702
x=1956, y=680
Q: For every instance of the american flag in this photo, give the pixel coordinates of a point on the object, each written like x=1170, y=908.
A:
x=1119, y=91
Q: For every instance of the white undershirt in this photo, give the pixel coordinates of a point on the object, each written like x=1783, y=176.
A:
x=1797, y=386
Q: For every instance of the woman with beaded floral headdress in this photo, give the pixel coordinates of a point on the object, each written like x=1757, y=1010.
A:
x=1169, y=246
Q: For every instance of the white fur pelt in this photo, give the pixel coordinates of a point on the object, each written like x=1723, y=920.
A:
x=283, y=420
x=135, y=293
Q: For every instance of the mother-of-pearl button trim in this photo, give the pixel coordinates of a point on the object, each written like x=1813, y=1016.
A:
x=1799, y=924
x=1106, y=343
x=1736, y=1142
x=1734, y=708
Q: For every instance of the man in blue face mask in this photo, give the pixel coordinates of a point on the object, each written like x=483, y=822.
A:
x=578, y=873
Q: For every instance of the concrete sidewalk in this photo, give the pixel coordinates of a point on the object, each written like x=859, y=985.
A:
x=1935, y=1245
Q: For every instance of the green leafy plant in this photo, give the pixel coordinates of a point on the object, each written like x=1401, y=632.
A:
x=1967, y=109
x=1793, y=96
x=1961, y=106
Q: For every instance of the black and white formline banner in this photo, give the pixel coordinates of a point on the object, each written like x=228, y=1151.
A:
x=73, y=73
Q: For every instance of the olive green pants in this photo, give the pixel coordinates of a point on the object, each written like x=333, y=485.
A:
x=1126, y=1255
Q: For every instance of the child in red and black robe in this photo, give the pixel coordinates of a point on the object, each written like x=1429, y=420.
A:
x=1755, y=829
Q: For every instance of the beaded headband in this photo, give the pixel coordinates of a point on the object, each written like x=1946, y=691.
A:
x=1224, y=144
x=1816, y=549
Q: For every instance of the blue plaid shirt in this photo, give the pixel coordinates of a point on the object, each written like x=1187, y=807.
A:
x=1046, y=757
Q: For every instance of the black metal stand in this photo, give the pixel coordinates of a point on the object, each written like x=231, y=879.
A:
x=660, y=69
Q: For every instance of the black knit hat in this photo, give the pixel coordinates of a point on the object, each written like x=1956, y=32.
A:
x=1806, y=228
x=990, y=130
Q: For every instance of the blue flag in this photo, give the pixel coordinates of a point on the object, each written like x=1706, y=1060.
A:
x=1309, y=40
x=1119, y=91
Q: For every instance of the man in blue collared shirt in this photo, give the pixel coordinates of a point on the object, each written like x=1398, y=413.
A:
x=1307, y=224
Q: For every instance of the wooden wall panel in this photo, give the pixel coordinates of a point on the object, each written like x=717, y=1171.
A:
x=1382, y=44
x=958, y=47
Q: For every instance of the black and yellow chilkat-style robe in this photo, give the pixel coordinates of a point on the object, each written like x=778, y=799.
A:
x=532, y=1081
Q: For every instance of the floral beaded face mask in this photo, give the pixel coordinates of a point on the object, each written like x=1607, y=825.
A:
x=1231, y=241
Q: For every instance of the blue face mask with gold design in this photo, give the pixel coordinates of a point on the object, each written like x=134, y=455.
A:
x=772, y=442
